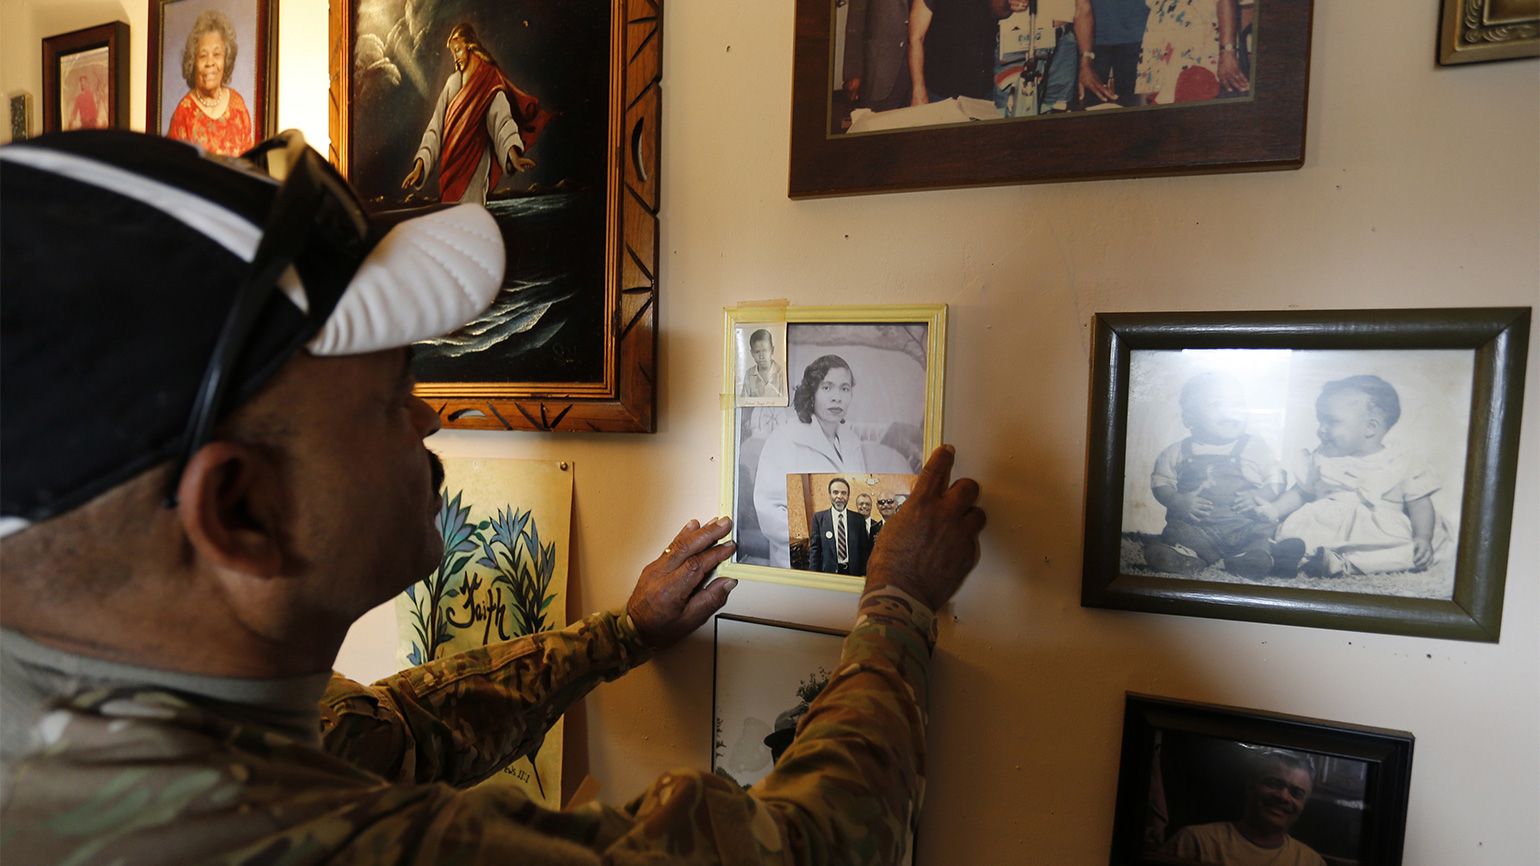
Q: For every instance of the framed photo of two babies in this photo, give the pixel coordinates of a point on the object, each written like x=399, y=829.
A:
x=1337, y=469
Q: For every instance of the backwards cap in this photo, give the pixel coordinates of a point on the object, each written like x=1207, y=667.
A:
x=120, y=258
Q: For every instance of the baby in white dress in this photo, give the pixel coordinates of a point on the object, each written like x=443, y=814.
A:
x=1360, y=507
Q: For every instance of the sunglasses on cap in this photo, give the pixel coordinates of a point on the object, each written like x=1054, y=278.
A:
x=312, y=204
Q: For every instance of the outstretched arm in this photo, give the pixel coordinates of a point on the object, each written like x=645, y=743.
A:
x=1230, y=75
x=1085, y=40
x=461, y=719
x=848, y=788
x=919, y=25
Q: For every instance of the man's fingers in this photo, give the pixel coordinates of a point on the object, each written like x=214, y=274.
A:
x=936, y=474
x=963, y=492
x=707, y=602
x=694, y=538
x=684, y=580
x=973, y=520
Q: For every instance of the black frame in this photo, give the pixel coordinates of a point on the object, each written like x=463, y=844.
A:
x=1388, y=753
x=716, y=635
x=1500, y=338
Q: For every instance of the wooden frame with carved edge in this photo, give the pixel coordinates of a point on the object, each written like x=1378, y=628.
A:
x=1499, y=338
x=1476, y=30
x=1263, y=132
x=625, y=400
x=114, y=36
x=933, y=316
x=1387, y=754
x=264, y=108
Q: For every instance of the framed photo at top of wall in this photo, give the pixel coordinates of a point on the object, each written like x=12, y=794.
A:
x=1338, y=469
x=213, y=72
x=927, y=94
x=85, y=81
x=549, y=114
x=810, y=482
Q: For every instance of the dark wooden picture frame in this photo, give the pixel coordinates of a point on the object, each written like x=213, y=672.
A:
x=620, y=394
x=1496, y=343
x=263, y=52
x=114, y=37
x=1361, y=777
x=1473, y=31
x=1263, y=132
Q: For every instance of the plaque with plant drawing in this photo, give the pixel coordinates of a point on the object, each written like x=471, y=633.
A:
x=502, y=574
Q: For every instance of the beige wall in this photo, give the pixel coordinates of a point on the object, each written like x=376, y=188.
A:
x=1421, y=188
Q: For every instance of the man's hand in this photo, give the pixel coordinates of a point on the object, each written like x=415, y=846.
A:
x=518, y=162
x=853, y=89
x=927, y=547
x=669, y=601
x=1191, y=505
x=414, y=177
x=1230, y=75
x=1090, y=81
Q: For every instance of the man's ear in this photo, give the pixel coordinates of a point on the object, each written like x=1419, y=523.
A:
x=229, y=504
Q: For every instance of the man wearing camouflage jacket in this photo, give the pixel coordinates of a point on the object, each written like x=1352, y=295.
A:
x=181, y=555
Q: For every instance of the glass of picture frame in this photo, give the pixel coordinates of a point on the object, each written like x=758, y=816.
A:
x=836, y=412
x=1193, y=776
x=1338, y=469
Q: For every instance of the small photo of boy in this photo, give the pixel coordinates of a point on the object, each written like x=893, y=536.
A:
x=761, y=364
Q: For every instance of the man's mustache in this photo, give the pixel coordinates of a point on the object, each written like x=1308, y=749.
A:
x=436, y=471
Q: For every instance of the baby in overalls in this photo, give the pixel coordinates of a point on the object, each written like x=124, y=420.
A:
x=1209, y=481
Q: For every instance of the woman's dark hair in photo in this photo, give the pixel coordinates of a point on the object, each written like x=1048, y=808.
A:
x=812, y=377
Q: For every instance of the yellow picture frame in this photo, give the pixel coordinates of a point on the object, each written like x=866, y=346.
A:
x=897, y=331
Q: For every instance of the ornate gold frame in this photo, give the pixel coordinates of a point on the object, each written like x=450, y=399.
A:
x=625, y=398
x=1477, y=30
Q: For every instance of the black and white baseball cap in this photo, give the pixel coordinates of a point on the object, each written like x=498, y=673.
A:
x=148, y=288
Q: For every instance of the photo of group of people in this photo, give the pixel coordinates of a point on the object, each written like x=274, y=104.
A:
x=856, y=409
x=909, y=63
x=1336, y=470
x=833, y=519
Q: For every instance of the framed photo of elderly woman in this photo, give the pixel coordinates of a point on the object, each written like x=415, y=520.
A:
x=1201, y=783
x=865, y=409
x=213, y=72
x=1348, y=469
x=932, y=94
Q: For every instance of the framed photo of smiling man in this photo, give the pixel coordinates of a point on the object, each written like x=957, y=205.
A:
x=863, y=411
x=1202, y=784
x=1338, y=469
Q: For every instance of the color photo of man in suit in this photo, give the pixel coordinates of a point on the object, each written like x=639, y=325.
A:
x=839, y=543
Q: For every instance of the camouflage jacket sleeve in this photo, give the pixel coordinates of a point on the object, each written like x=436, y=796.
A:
x=847, y=790
x=460, y=719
